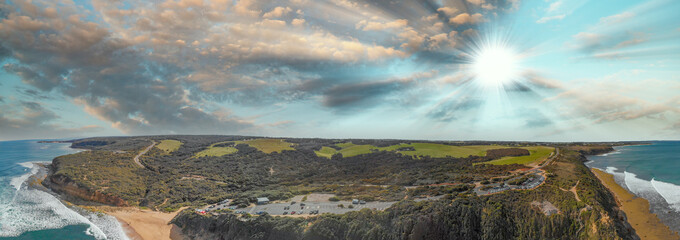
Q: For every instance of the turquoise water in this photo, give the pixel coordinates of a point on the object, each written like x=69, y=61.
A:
x=27, y=213
x=648, y=171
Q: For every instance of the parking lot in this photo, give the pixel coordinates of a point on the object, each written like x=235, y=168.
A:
x=323, y=207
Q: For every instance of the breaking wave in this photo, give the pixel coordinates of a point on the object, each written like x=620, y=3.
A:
x=23, y=209
x=670, y=192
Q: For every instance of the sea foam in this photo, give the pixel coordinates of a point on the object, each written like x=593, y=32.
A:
x=670, y=192
x=32, y=210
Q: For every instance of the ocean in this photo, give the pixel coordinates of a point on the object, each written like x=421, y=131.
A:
x=648, y=171
x=27, y=213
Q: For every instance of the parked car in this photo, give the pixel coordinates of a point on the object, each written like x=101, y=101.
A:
x=293, y=202
x=302, y=204
x=293, y=212
x=362, y=202
x=301, y=212
x=259, y=213
x=285, y=213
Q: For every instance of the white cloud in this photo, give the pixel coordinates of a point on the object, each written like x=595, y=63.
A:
x=448, y=11
x=465, y=18
x=550, y=18
x=618, y=18
x=277, y=12
x=378, y=26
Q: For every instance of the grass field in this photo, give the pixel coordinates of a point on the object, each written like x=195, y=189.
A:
x=265, y=145
x=268, y=145
x=425, y=149
x=441, y=150
x=169, y=145
x=326, y=152
x=537, y=154
x=216, y=151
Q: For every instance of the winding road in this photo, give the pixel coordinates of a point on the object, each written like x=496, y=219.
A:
x=153, y=143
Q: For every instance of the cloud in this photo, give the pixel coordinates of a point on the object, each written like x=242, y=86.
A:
x=476, y=2
x=377, y=26
x=551, y=18
x=26, y=119
x=607, y=100
x=277, y=12
x=298, y=22
x=149, y=67
x=448, y=11
x=617, y=18
x=365, y=95
x=555, y=6
x=465, y=18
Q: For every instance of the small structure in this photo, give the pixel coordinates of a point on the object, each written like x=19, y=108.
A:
x=262, y=201
x=355, y=201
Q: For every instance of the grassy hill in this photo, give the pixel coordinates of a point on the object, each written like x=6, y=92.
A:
x=537, y=155
x=169, y=145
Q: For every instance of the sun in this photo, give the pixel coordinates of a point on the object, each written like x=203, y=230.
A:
x=495, y=65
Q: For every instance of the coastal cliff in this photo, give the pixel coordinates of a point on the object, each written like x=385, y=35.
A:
x=63, y=184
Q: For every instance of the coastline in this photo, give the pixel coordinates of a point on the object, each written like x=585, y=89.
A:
x=647, y=225
x=137, y=224
x=144, y=224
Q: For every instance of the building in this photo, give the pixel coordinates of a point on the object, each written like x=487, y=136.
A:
x=262, y=201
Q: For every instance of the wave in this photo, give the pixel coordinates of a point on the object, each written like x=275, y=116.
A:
x=610, y=153
x=670, y=192
x=32, y=210
x=656, y=192
x=17, y=181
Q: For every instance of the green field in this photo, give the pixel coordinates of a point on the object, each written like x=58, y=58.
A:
x=537, y=155
x=326, y=152
x=265, y=145
x=268, y=145
x=169, y=146
x=421, y=149
x=216, y=151
x=441, y=150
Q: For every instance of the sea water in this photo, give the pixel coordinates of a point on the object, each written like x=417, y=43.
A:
x=27, y=213
x=648, y=171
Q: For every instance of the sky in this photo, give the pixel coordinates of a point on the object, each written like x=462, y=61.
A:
x=542, y=70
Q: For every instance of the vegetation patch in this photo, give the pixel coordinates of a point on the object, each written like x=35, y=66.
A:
x=436, y=150
x=268, y=145
x=326, y=152
x=169, y=146
x=538, y=154
x=216, y=152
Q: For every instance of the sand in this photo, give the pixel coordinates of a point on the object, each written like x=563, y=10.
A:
x=646, y=224
x=145, y=224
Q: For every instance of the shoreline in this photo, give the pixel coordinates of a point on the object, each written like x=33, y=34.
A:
x=647, y=225
x=136, y=224
x=144, y=224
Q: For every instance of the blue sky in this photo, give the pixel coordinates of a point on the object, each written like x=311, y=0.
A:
x=555, y=70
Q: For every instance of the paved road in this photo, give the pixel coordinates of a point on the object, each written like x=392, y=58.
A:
x=142, y=153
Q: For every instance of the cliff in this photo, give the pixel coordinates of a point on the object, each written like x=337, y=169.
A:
x=63, y=184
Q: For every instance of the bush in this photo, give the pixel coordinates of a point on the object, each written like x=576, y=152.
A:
x=350, y=206
x=342, y=205
x=333, y=199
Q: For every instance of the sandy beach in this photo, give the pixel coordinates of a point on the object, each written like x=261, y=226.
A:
x=646, y=224
x=145, y=224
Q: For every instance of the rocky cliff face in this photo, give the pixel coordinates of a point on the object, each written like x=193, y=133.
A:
x=62, y=184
